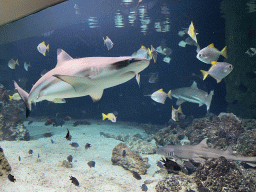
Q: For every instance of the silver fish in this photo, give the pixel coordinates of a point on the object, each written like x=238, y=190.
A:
x=108, y=43
x=210, y=53
x=192, y=94
x=218, y=71
x=80, y=77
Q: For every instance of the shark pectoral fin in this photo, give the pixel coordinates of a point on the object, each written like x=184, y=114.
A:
x=180, y=101
x=75, y=82
x=251, y=164
x=229, y=151
x=203, y=143
x=96, y=95
x=199, y=160
x=62, y=56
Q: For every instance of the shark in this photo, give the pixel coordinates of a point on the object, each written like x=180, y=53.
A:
x=80, y=77
x=201, y=152
x=192, y=94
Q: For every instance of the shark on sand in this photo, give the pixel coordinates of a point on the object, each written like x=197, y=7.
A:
x=192, y=94
x=201, y=152
x=80, y=77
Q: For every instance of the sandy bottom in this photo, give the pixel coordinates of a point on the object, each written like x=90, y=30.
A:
x=48, y=174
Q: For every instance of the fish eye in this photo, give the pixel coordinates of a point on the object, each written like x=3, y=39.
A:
x=230, y=67
x=200, y=55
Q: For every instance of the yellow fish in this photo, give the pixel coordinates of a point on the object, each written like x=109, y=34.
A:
x=160, y=96
x=15, y=97
x=192, y=32
x=109, y=116
x=175, y=113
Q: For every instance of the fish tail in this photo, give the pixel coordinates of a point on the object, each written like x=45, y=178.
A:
x=170, y=94
x=104, y=116
x=150, y=53
x=24, y=95
x=17, y=62
x=10, y=97
x=179, y=109
x=224, y=52
x=209, y=100
x=205, y=74
x=198, y=48
x=48, y=47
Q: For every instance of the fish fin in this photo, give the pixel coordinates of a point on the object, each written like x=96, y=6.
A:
x=211, y=45
x=62, y=56
x=43, y=43
x=229, y=151
x=182, y=44
x=194, y=85
x=10, y=97
x=104, y=116
x=205, y=74
x=96, y=96
x=213, y=63
x=24, y=95
x=199, y=160
x=198, y=48
x=179, y=109
x=180, y=101
x=138, y=79
x=44, y=53
x=17, y=62
x=224, y=52
x=218, y=80
x=203, y=143
x=150, y=53
x=173, y=108
x=209, y=100
x=48, y=47
x=74, y=81
x=170, y=94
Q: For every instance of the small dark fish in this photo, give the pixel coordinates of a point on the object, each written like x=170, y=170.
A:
x=67, y=118
x=159, y=164
x=144, y=187
x=38, y=156
x=30, y=122
x=1, y=149
x=136, y=175
x=52, y=141
x=74, y=181
x=19, y=158
x=11, y=178
x=171, y=165
x=49, y=121
x=30, y=151
x=47, y=134
x=91, y=164
x=58, y=122
x=189, y=166
x=70, y=158
x=74, y=144
x=87, y=145
x=81, y=122
x=124, y=153
x=68, y=136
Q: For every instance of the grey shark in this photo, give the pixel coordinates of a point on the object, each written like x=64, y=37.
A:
x=192, y=94
x=80, y=77
x=201, y=152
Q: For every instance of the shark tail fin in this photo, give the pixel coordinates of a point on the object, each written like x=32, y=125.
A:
x=209, y=100
x=24, y=95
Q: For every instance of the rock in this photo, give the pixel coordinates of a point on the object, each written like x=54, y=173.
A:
x=131, y=160
x=218, y=174
x=66, y=164
x=5, y=167
x=175, y=184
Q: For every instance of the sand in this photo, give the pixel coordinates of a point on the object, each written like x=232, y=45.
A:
x=47, y=174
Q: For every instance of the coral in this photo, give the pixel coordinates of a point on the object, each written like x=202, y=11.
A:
x=218, y=174
x=128, y=159
x=5, y=167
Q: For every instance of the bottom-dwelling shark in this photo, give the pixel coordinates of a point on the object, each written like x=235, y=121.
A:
x=201, y=152
x=80, y=77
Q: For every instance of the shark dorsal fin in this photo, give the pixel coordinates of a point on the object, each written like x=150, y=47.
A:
x=203, y=143
x=194, y=85
x=62, y=56
x=229, y=151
